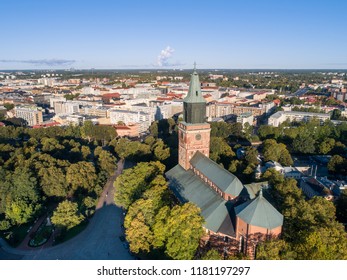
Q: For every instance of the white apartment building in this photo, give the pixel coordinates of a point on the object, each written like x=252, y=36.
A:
x=98, y=111
x=90, y=90
x=55, y=99
x=32, y=115
x=47, y=81
x=281, y=116
x=244, y=118
x=131, y=117
x=66, y=107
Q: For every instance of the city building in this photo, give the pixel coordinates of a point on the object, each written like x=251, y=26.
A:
x=282, y=116
x=225, y=109
x=131, y=130
x=69, y=119
x=128, y=117
x=244, y=118
x=66, y=107
x=32, y=114
x=231, y=212
x=98, y=111
x=313, y=187
x=55, y=99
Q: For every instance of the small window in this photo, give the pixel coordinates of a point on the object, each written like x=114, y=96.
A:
x=196, y=93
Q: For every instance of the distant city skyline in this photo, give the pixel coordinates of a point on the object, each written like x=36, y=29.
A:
x=158, y=35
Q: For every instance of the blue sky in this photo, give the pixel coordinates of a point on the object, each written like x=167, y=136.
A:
x=108, y=34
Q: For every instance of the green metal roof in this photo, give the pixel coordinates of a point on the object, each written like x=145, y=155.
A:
x=223, y=179
x=254, y=188
x=194, y=94
x=189, y=187
x=259, y=212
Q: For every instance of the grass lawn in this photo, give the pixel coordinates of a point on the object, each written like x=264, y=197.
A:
x=65, y=236
x=15, y=235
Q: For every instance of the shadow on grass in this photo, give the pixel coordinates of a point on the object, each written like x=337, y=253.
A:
x=16, y=234
x=66, y=235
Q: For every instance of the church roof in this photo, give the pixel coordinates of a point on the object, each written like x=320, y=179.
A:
x=259, y=212
x=222, y=178
x=189, y=187
x=194, y=94
x=254, y=188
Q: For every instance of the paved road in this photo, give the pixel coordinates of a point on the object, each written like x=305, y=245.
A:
x=99, y=241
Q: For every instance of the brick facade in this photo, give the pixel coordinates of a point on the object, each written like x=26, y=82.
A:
x=192, y=138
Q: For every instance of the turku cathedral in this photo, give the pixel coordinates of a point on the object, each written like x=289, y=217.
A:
x=234, y=213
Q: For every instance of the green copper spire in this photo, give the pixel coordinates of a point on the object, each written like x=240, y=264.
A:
x=194, y=104
x=194, y=94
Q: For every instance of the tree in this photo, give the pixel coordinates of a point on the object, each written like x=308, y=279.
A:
x=97, y=132
x=251, y=156
x=139, y=235
x=50, y=145
x=160, y=151
x=142, y=213
x=107, y=162
x=234, y=166
x=19, y=212
x=89, y=204
x=309, y=230
x=304, y=144
x=341, y=207
x=220, y=129
x=326, y=146
x=247, y=131
x=24, y=185
x=81, y=174
x=53, y=181
x=286, y=192
x=273, y=249
x=150, y=141
x=179, y=230
x=336, y=114
x=276, y=152
x=337, y=164
x=144, y=206
x=159, y=192
x=212, y=254
x=66, y=215
x=339, y=148
x=153, y=199
x=85, y=150
x=8, y=106
x=153, y=129
x=267, y=131
x=323, y=243
x=131, y=149
x=220, y=151
x=19, y=197
x=130, y=185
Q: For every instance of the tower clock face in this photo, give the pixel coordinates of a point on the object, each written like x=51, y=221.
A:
x=198, y=136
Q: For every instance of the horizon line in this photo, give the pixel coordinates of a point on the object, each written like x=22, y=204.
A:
x=72, y=69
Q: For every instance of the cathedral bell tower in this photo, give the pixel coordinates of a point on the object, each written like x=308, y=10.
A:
x=194, y=132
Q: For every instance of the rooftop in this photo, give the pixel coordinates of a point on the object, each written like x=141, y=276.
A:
x=223, y=179
x=215, y=210
x=259, y=212
x=194, y=94
x=279, y=114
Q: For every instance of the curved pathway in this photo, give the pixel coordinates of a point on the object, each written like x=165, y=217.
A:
x=99, y=241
